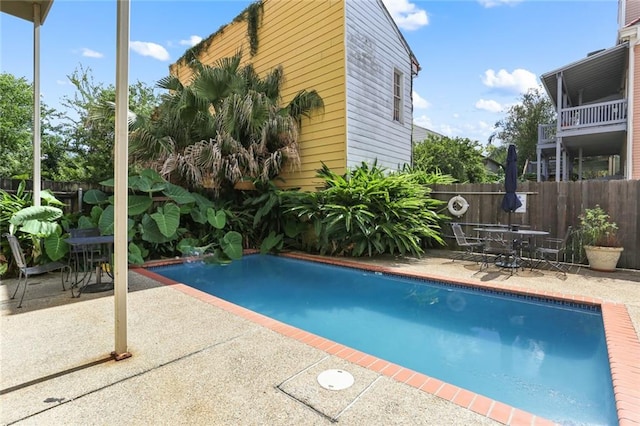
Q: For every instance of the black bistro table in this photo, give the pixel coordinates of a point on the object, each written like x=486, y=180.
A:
x=85, y=245
x=511, y=239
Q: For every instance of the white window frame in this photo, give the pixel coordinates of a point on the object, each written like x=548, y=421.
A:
x=398, y=101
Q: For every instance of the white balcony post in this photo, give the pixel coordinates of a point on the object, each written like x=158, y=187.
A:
x=580, y=164
x=559, y=126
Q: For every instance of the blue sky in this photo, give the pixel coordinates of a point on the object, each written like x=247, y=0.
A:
x=477, y=56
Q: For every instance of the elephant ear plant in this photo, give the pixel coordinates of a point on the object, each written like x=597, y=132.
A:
x=37, y=224
x=164, y=220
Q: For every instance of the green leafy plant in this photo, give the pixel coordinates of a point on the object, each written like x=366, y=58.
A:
x=36, y=225
x=597, y=229
x=273, y=226
x=369, y=211
x=165, y=220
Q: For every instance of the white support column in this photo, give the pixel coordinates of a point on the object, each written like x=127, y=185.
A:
x=37, y=130
x=538, y=162
x=559, y=126
x=633, y=42
x=580, y=164
x=121, y=173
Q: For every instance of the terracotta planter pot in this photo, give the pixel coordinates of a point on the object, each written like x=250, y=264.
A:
x=603, y=259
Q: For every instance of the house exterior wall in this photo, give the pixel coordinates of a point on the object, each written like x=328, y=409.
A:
x=635, y=139
x=308, y=41
x=372, y=57
x=631, y=11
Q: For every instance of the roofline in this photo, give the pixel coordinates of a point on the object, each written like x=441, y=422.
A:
x=622, y=45
x=21, y=8
x=404, y=41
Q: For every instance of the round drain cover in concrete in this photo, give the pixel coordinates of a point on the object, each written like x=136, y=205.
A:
x=335, y=379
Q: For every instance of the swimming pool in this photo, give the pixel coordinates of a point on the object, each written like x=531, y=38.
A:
x=546, y=358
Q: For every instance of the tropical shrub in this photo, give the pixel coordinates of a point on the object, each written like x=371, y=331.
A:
x=274, y=226
x=225, y=126
x=164, y=220
x=36, y=227
x=368, y=211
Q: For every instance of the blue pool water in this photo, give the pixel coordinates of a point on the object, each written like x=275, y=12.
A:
x=543, y=357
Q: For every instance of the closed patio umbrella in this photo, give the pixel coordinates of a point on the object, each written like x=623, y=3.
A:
x=511, y=202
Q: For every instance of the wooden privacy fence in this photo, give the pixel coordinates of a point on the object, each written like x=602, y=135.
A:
x=553, y=206
x=69, y=193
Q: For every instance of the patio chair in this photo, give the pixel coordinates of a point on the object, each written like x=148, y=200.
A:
x=468, y=247
x=552, y=253
x=85, y=258
x=27, y=271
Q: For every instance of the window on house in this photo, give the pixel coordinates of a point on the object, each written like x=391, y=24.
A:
x=397, y=96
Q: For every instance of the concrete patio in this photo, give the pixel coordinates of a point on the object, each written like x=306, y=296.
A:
x=195, y=363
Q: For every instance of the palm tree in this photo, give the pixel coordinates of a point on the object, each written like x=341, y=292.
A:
x=226, y=125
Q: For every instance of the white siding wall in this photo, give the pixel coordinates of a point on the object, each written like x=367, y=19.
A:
x=374, y=50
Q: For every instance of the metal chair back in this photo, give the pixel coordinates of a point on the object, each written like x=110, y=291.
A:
x=16, y=250
x=27, y=271
x=461, y=239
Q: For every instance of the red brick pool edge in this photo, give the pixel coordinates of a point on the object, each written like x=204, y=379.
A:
x=622, y=344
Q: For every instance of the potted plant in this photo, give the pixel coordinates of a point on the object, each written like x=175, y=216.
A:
x=601, y=244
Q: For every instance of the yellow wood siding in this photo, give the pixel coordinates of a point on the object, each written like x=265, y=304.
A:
x=307, y=39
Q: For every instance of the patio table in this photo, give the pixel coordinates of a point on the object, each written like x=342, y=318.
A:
x=514, y=236
x=85, y=244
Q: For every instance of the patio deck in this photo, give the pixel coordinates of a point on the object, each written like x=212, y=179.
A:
x=196, y=363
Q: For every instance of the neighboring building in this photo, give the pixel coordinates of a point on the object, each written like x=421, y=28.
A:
x=595, y=104
x=365, y=78
x=491, y=165
x=419, y=134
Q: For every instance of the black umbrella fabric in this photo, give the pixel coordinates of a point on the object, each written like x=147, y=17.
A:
x=511, y=202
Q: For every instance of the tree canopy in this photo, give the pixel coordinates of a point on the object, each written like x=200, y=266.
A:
x=520, y=126
x=16, y=131
x=459, y=157
x=89, y=130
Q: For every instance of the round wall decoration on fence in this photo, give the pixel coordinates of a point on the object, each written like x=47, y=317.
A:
x=457, y=206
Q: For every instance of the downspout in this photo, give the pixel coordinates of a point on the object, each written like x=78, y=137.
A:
x=37, y=137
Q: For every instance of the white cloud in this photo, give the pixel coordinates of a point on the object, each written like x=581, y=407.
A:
x=443, y=129
x=420, y=102
x=489, y=105
x=91, y=53
x=479, y=130
x=154, y=50
x=61, y=82
x=519, y=81
x=423, y=121
x=192, y=41
x=406, y=14
x=494, y=3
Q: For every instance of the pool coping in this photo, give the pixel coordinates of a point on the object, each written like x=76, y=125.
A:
x=623, y=345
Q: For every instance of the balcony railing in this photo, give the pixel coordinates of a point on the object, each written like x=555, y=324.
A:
x=601, y=114
x=546, y=133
